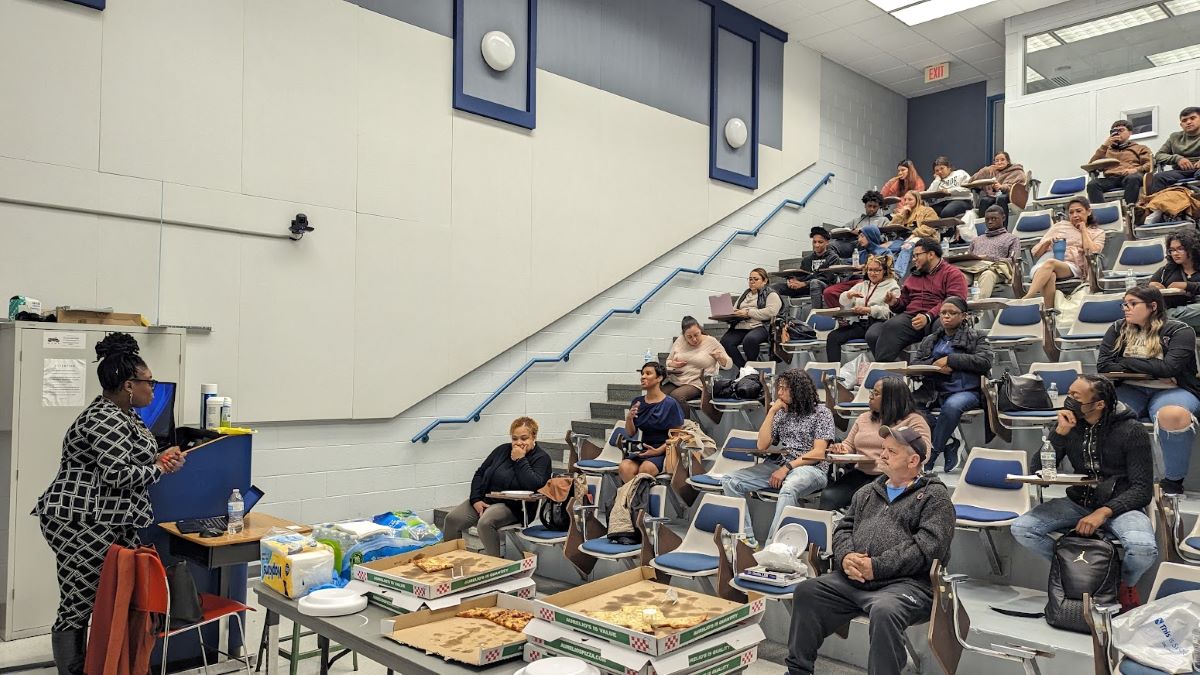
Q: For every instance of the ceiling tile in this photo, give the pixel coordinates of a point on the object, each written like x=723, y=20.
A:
x=897, y=75
x=840, y=43
x=981, y=53
x=852, y=12
x=801, y=31
x=921, y=52
x=780, y=13
x=943, y=27
x=872, y=60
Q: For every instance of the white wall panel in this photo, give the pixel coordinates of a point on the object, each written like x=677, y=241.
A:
x=1171, y=92
x=201, y=286
x=404, y=121
x=127, y=266
x=72, y=188
x=296, y=319
x=50, y=82
x=50, y=255
x=171, y=105
x=1053, y=137
x=300, y=101
x=400, y=296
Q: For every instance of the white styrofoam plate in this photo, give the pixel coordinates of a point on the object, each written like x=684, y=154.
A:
x=792, y=534
x=332, y=602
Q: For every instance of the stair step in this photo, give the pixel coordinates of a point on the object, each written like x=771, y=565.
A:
x=623, y=392
x=597, y=429
x=608, y=409
x=789, y=263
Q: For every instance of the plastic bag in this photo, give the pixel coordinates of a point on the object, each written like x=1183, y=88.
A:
x=853, y=371
x=779, y=557
x=409, y=526
x=1159, y=634
x=358, y=541
x=294, y=564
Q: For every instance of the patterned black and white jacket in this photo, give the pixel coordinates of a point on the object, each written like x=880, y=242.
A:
x=107, y=466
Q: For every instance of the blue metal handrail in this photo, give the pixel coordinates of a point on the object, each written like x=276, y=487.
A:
x=565, y=355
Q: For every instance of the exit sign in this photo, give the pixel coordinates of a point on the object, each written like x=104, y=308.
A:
x=937, y=72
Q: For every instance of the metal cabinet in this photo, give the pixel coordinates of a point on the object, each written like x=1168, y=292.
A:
x=31, y=433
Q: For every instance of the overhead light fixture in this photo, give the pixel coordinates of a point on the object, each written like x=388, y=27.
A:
x=1036, y=43
x=889, y=5
x=1111, y=24
x=1177, y=7
x=935, y=9
x=1032, y=75
x=1175, y=55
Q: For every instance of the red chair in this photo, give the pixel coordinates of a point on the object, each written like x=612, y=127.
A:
x=152, y=595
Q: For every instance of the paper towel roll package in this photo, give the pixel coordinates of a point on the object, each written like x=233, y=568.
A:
x=293, y=564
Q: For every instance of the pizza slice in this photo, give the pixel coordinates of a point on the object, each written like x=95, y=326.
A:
x=488, y=613
x=680, y=622
x=434, y=564
x=513, y=619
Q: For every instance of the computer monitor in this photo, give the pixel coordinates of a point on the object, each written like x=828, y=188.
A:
x=159, y=416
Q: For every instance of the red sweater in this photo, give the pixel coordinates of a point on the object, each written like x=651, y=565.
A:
x=926, y=293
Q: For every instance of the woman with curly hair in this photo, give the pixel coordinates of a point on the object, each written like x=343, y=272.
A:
x=1182, y=272
x=796, y=422
x=1147, y=341
x=101, y=494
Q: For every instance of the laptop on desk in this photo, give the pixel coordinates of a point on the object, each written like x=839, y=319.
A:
x=197, y=525
x=720, y=306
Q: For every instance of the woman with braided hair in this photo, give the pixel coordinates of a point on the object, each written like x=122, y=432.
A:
x=100, y=495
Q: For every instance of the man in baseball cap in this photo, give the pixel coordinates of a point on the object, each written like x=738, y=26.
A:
x=896, y=526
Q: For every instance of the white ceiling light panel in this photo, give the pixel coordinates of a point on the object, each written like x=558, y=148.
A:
x=1036, y=43
x=1111, y=24
x=935, y=9
x=1178, y=7
x=1175, y=55
x=889, y=5
x=1032, y=75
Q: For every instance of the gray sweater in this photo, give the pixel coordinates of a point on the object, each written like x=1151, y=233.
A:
x=903, y=537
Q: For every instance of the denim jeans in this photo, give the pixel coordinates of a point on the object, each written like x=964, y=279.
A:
x=1133, y=528
x=950, y=413
x=1176, y=445
x=800, y=481
x=1189, y=314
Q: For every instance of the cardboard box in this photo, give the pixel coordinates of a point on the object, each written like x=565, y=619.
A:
x=398, y=573
x=638, y=587
x=96, y=316
x=437, y=631
x=403, y=603
x=725, y=652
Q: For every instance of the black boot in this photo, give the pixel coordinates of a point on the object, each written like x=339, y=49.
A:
x=70, y=650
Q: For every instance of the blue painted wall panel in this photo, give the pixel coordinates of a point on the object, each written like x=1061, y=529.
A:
x=770, y=91
x=507, y=88
x=735, y=98
x=432, y=15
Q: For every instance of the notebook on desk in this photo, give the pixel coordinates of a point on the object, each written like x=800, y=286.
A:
x=197, y=525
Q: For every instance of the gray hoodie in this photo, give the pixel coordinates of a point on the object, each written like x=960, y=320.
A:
x=902, y=537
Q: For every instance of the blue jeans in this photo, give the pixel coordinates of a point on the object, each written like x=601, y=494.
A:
x=1033, y=530
x=801, y=481
x=1176, y=445
x=951, y=411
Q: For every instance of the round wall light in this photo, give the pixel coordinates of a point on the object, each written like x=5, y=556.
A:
x=498, y=50
x=736, y=132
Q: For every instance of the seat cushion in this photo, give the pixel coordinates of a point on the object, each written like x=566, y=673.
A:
x=982, y=515
x=1194, y=542
x=603, y=546
x=1048, y=414
x=687, y=562
x=705, y=479
x=1083, y=336
x=595, y=464
x=768, y=589
x=1131, y=667
x=1011, y=338
x=543, y=532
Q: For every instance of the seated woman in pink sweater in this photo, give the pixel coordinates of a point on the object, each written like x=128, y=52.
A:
x=694, y=354
x=891, y=404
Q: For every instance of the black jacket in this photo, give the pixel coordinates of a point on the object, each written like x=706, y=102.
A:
x=830, y=259
x=903, y=537
x=1171, y=273
x=1178, y=359
x=499, y=472
x=971, y=353
x=1118, y=448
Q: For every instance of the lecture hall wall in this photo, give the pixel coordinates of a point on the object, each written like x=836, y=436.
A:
x=1052, y=132
x=442, y=238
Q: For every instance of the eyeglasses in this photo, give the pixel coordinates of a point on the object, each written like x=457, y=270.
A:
x=152, y=383
x=1130, y=305
x=1176, y=249
x=875, y=394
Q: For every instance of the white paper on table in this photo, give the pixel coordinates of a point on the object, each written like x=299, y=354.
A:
x=62, y=382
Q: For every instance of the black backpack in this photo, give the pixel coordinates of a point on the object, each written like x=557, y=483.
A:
x=1081, y=565
x=1023, y=392
x=557, y=515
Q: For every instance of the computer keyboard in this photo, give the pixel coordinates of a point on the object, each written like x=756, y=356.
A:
x=196, y=525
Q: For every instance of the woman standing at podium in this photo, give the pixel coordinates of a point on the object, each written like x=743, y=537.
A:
x=100, y=495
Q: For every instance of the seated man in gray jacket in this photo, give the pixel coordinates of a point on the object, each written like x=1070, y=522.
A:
x=882, y=553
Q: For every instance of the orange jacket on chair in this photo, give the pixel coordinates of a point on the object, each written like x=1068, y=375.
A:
x=122, y=638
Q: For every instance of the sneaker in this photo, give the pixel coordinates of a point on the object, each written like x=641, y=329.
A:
x=1129, y=597
x=951, y=453
x=1171, y=487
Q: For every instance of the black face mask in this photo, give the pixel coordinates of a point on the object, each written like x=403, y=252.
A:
x=1075, y=406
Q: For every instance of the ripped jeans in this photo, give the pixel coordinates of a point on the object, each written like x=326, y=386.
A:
x=1176, y=445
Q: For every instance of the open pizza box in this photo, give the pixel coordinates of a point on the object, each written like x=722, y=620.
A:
x=475, y=642
x=399, y=573
x=725, y=652
x=404, y=603
x=635, y=591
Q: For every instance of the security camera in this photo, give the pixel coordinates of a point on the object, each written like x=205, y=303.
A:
x=299, y=227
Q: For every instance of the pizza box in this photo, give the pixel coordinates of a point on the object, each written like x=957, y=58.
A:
x=399, y=573
x=726, y=652
x=638, y=587
x=404, y=603
x=440, y=632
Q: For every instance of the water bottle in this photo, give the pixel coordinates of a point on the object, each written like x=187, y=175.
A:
x=1049, y=460
x=234, y=511
x=1053, y=391
x=1196, y=648
x=945, y=245
x=975, y=291
x=854, y=257
x=1130, y=280
x=648, y=357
